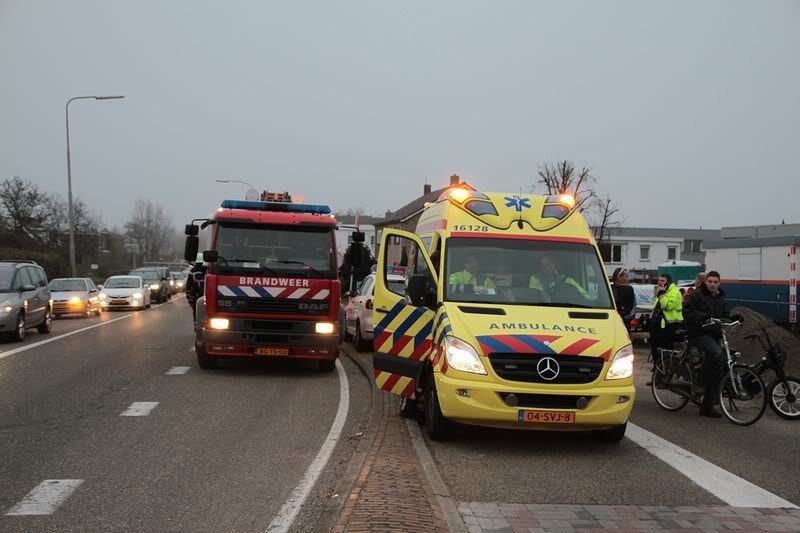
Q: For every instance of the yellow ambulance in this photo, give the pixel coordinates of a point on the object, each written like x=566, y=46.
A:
x=506, y=320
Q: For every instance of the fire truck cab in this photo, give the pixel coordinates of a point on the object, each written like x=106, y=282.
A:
x=271, y=289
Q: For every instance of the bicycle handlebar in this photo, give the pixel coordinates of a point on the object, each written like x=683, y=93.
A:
x=721, y=322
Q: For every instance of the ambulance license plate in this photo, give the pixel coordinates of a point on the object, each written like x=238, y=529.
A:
x=272, y=351
x=545, y=417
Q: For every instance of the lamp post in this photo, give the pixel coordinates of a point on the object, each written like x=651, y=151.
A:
x=72, y=265
x=251, y=194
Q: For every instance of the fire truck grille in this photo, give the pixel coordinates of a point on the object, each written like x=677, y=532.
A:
x=273, y=306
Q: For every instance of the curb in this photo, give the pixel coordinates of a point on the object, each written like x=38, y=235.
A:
x=333, y=509
x=451, y=515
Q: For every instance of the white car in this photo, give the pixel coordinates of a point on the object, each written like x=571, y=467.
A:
x=125, y=292
x=358, y=312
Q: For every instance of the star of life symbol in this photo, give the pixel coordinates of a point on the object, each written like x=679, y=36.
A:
x=518, y=203
x=548, y=368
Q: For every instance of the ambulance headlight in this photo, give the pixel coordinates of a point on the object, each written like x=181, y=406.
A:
x=622, y=364
x=461, y=356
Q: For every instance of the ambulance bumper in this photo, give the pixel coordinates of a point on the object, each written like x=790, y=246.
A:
x=486, y=403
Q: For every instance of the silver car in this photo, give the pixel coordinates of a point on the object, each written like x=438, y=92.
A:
x=24, y=299
x=75, y=296
x=125, y=292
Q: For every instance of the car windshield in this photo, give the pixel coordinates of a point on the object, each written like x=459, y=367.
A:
x=67, y=285
x=276, y=250
x=122, y=283
x=6, y=277
x=178, y=275
x=527, y=272
x=149, y=275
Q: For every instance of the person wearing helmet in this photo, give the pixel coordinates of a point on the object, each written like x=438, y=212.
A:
x=195, y=283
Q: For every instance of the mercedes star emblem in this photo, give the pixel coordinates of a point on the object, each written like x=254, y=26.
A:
x=548, y=368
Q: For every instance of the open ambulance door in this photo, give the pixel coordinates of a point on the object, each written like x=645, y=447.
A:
x=402, y=328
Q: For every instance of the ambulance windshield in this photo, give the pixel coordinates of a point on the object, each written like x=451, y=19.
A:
x=284, y=250
x=525, y=272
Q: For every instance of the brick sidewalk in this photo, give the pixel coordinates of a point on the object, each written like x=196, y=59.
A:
x=529, y=518
x=391, y=493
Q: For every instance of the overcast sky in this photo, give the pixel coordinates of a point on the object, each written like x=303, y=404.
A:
x=688, y=112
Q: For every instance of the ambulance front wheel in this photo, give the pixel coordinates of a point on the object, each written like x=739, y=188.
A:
x=436, y=425
x=611, y=435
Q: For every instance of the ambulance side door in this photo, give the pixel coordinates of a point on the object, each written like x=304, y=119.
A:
x=402, y=331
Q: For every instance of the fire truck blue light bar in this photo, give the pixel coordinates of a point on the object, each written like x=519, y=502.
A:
x=276, y=206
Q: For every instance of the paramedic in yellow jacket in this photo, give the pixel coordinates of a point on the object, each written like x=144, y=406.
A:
x=548, y=278
x=467, y=276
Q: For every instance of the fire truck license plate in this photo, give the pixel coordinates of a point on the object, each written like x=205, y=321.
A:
x=272, y=351
x=545, y=417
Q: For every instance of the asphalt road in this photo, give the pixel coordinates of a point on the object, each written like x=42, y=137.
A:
x=571, y=468
x=221, y=451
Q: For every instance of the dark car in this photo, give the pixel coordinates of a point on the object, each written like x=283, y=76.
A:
x=156, y=281
x=24, y=299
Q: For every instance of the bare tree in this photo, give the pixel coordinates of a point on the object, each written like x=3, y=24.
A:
x=56, y=223
x=149, y=230
x=22, y=204
x=606, y=216
x=563, y=177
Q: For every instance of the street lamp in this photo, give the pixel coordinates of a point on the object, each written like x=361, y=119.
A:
x=72, y=265
x=251, y=194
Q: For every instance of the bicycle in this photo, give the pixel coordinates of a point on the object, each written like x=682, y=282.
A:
x=784, y=390
x=741, y=391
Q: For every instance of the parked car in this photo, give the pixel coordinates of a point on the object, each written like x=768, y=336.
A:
x=645, y=296
x=24, y=299
x=156, y=281
x=125, y=292
x=75, y=296
x=358, y=311
x=180, y=281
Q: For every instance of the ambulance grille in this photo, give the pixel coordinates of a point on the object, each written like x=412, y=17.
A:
x=481, y=310
x=588, y=316
x=573, y=369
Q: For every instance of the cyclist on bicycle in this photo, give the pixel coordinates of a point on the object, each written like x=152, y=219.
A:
x=705, y=303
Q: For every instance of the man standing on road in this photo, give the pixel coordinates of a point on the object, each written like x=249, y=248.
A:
x=705, y=303
x=195, y=283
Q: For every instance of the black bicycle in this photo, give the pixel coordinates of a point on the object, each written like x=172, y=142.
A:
x=784, y=390
x=742, y=394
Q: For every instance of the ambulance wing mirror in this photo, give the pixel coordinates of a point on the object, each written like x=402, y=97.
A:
x=419, y=290
x=190, y=249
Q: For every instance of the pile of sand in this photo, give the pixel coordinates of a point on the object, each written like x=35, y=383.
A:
x=754, y=323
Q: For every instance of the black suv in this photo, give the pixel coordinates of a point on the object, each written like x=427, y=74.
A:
x=24, y=299
x=156, y=281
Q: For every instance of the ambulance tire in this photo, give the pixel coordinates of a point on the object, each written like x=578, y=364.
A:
x=205, y=361
x=612, y=436
x=436, y=425
x=362, y=345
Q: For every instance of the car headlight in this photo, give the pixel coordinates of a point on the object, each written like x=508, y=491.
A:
x=155, y=287
x=461, y=356
x=5, y=307
x=75, y=300
x=171, y=283
x=324, y=327
x=219, y=323
x=137, y=295
x=180, y=284
x=622, y=364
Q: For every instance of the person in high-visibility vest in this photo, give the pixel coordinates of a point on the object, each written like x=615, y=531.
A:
x=548, y=278
x=467, y=276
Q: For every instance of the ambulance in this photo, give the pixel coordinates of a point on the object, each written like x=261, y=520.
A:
x=507, y=319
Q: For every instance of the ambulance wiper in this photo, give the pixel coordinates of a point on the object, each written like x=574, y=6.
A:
x=563, y=304
x=306, y=265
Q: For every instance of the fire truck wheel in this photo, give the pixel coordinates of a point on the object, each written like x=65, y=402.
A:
x=362, y=345
x=327, y=365
x=203, y=359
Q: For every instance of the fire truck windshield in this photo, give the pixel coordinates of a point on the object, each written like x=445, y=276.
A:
x=276, y=250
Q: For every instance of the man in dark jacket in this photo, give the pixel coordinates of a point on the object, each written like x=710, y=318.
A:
x=624, y=297
x=705, y=303
x=195, y=284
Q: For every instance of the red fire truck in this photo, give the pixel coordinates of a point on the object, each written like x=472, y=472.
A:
x=271, y=287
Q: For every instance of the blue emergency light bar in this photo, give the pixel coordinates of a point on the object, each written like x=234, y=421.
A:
x=283, y=207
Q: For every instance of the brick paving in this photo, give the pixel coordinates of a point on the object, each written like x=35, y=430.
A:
x=391, y=493
x=482, y=517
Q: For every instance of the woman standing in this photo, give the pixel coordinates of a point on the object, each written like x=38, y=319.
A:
x=623, y=296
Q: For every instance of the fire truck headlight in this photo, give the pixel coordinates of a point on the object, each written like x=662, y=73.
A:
x=325, y=327
x=219, y=323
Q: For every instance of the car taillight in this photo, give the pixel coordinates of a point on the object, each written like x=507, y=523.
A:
x=369, y=303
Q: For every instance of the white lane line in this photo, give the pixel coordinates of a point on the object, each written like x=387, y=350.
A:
x=191, y=349
x=53, y=339
x=177, y=371
x=46, y=497
x=139, y=409
x=728, y=487
x=283, y=520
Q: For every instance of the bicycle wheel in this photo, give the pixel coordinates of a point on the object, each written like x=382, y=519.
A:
x=742, y=396
x=672, y=395
x=784, y=404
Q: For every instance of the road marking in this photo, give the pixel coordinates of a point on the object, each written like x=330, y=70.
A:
x=139, y=409
x=191, y=349
x=177, y=370
x=46, y=497
x=283, y=520
x=728, y=487
x=53, y=339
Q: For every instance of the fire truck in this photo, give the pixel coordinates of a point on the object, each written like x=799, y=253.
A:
x=271, y=287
